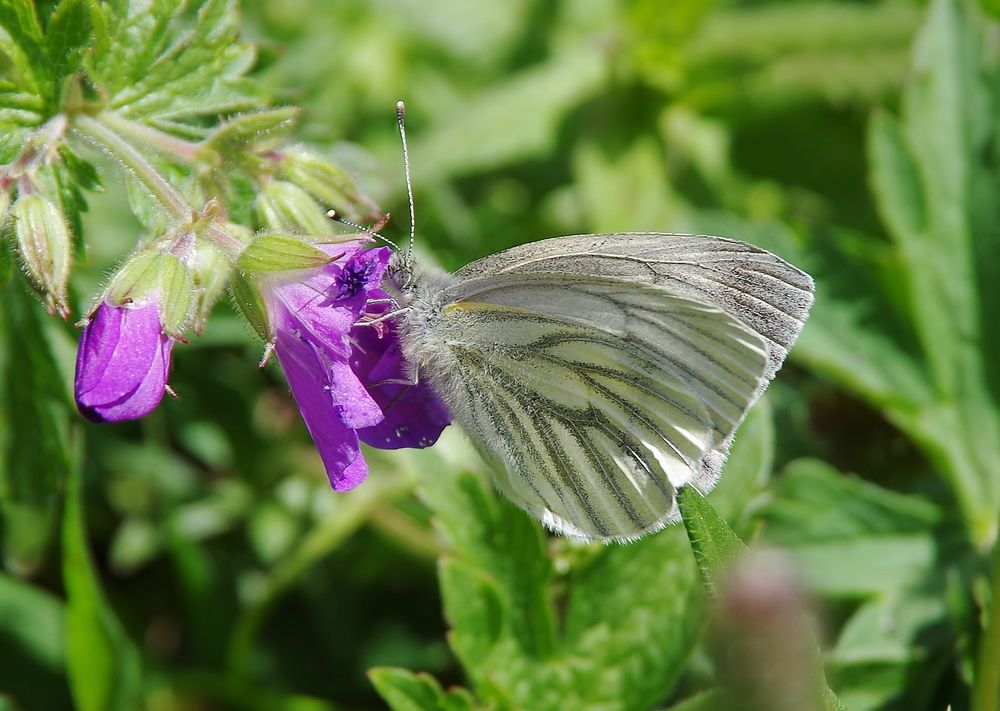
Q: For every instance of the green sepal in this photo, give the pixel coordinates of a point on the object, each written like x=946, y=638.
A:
x=46, y=246
x=250, y=128
x=272, y=252
x=287, y=207
x=328, y=183
x=148, y=272
x=212, y=268
x=137, y=278
x=176, y=294
x=250, y=302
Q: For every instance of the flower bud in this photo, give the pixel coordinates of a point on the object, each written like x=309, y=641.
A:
x=285, y=207
x=123, y=362
x=45, y=245
x=328, y=183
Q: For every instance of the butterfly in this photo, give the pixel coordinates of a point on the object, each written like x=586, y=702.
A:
x=598, y=374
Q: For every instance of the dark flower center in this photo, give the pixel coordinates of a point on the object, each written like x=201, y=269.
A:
x=354, y=277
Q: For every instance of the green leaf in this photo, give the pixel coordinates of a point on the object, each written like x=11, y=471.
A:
x=406, y=691
x=507, y=546
x=33, y=441
x=494, y=130
x=714, y=543
x=21, y=40
x=195, y=71
x=67, y=32
x=893, y=650
x=31, y=634
x=851, y=538
x=104, y=666
x=931, y=174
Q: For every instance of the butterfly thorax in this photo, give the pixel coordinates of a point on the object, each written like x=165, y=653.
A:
x=417, y=290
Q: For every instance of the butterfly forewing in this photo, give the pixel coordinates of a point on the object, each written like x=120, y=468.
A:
x=756, y=287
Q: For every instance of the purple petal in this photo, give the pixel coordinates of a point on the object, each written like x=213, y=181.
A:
x=326, y=397
x=414, y=415
x=122, y=363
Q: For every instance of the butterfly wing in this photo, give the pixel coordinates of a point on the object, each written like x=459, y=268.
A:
x=599, y=376
x=758, y=288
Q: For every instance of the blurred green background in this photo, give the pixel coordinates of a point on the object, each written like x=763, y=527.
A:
x=225, y=572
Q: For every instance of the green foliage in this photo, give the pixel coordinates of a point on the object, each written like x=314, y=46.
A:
x=101, y=663
x=203, y=561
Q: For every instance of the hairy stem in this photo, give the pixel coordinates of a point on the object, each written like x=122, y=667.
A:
x=159, y=141
x=98, y=133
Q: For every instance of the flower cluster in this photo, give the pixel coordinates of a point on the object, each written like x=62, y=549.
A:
x=344, y=365
x=313, y=295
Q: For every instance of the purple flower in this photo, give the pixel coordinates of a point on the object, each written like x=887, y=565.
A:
x=122, y=363
x=344, y=377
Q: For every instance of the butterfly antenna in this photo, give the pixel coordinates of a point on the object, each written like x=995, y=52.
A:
x=401, y=121
x=372, y=232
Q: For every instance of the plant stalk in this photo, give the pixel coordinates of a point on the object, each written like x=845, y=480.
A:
x=98, y=133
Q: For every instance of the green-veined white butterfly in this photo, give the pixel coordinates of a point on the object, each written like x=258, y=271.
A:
x=600, y=373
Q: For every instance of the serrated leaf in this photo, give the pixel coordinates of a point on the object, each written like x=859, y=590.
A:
x=406, y=691
x=67, y=32
x=21, y=40
x=507, y=544
x=197, y=71
x=103, y=664
x=931, y=177
x=475, y=611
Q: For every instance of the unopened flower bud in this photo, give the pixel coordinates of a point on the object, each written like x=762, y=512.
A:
x=286, y=207
x=328, y=183
x=45, y=245
x=123, y=361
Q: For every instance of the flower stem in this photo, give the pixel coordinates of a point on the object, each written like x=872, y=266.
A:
x=226, y=241
x=986, y=684
x=157, y=140
x=103, y=137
